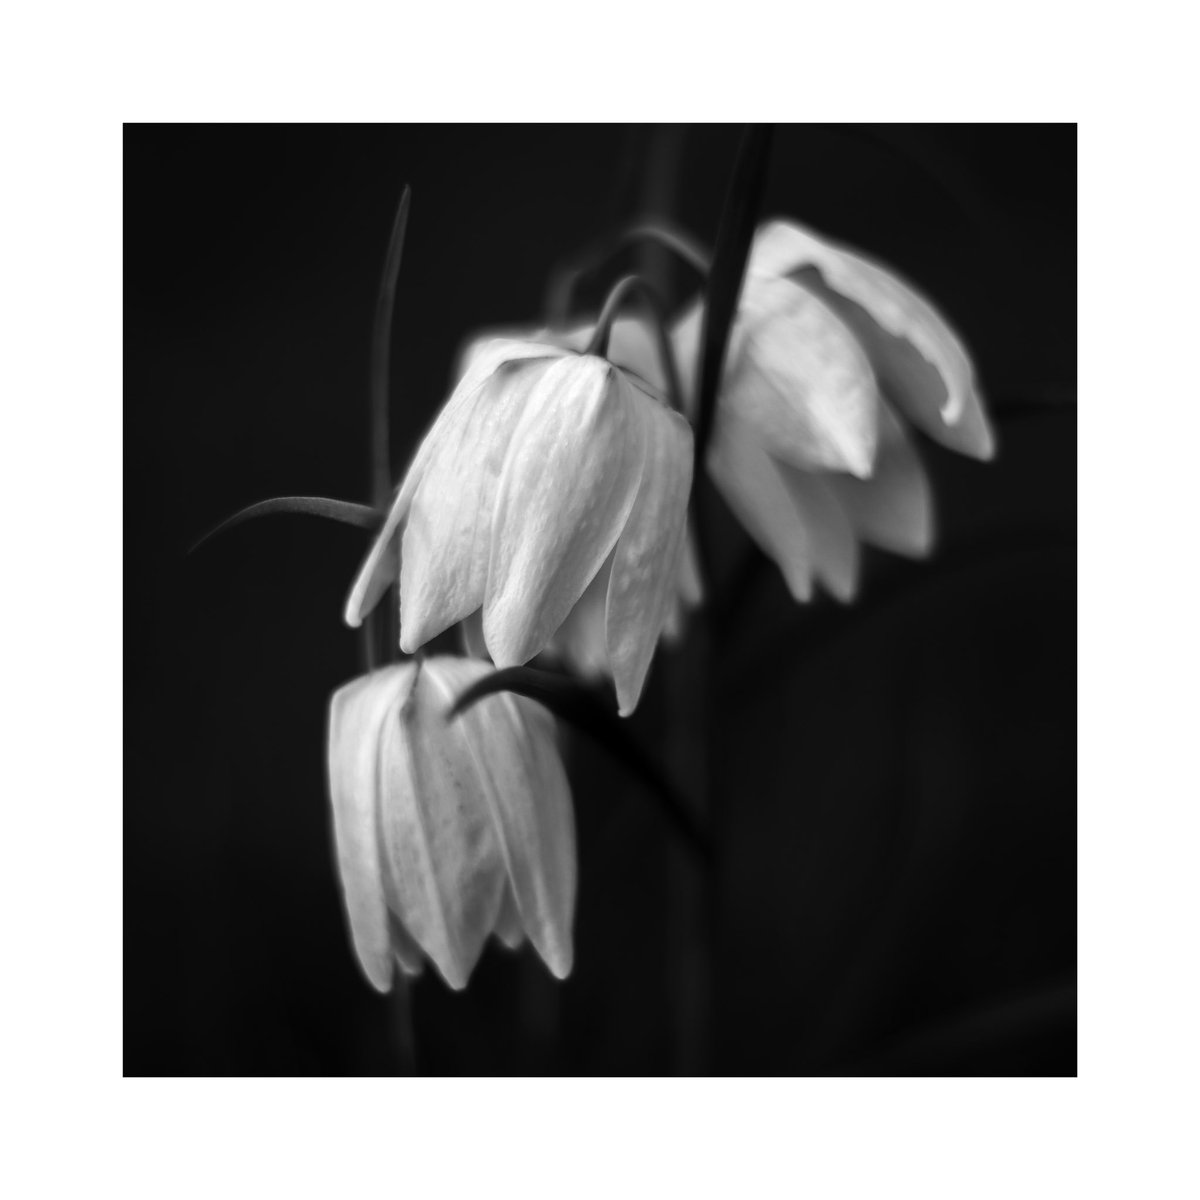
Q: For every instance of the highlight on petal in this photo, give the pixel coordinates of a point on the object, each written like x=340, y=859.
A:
x=894, y=509
x=754, y=487
x=570, y=480
x=525, y=788
x=443, y=875
x=646, y=563
x=447, y=538
x=802, y=379
x=356, y=715
x=921, y=362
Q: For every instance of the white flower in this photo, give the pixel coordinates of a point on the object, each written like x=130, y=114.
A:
x=581, y=640
x=544, y=466
x=448, y=831
x=828, y=356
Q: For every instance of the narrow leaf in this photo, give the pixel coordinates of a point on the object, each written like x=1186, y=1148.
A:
x=581, y=708
x=344, y=511
x=381, y=349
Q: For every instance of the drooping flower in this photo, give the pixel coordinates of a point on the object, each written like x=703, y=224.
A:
x=448, y=830
x=828, y=357
x=581, y=641
x=544, y=466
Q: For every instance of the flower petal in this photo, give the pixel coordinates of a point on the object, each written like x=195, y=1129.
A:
x=356, y=714
x=835, y=553
x=508, y=921
x=443, y=875
x=580, y=640
x=570, y=480
x=447, y=538
x=753, y=486
x=381, y=567
x=802, y=379
x=529, y=798
x=920, y=360
x=894, y=508
x=646, y=563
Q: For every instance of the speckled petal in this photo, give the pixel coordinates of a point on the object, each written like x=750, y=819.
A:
x=356, y=715
x=570, y=480
x=381, y=568
x=447, y=538
x=525, y=788
x=443, y=875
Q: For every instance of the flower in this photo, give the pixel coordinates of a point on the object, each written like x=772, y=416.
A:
x=581, y=640
x=828, y=357
x=544, y=467
x=448, y=830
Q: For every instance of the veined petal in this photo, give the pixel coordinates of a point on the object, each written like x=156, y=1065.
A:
x=920, y=360
x=646, y=563
x=381, y=567
x=835, y=553
x=565, y=493
x=447, y=538
x=443, y=875
x=894, y=508
x=802, y=379
x=525, y=787
x=753, y=485
x=356, y=715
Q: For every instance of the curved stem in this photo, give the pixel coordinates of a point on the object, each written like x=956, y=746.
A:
x=624, y=288
x=563, y=282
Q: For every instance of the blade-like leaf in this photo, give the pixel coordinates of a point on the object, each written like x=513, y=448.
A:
x=738, y=218
x=381, y=348
x=344, y=511
x=581, y=708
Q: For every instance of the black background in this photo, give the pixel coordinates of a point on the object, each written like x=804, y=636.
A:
x=895, y=782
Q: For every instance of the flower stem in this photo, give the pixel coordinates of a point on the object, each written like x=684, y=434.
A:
x=624, y=288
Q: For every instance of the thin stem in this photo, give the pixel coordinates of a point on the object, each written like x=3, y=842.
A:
x=621, y=291
x=564, y=281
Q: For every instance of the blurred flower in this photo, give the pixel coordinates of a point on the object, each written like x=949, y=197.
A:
x=827, y=353
x=544, y=468
x=448, y=831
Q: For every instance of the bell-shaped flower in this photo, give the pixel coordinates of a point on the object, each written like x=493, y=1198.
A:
x=828, y=358
x=544, y=467
x=448, y=830
x=581, y=640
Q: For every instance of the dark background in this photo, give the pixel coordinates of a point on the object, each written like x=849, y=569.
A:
x=894, y=783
